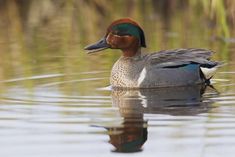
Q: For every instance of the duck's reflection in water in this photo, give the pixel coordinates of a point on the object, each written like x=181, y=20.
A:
x=133, y=104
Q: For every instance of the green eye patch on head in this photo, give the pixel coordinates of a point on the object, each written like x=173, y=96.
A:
x=130, y=29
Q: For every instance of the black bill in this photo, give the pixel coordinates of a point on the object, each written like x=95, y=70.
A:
x=98, y=46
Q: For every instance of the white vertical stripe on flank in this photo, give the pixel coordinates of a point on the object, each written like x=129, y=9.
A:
x=142, y=76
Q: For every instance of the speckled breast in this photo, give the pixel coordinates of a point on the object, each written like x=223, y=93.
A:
x=125, y=72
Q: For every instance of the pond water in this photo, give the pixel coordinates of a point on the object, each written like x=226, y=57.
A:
x=55, y=99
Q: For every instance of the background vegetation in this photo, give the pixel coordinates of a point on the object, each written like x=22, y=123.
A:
x=48, y=36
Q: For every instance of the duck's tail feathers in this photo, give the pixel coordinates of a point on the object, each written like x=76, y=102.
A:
x=209, y=71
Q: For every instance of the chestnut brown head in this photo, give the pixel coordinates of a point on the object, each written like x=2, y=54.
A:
x=121, y=34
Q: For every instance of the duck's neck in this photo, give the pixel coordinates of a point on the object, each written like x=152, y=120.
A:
x=131, y=52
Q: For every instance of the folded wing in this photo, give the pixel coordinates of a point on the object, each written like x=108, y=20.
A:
x=181, y=57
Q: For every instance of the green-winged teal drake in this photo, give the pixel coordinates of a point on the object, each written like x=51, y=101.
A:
x=177, y=67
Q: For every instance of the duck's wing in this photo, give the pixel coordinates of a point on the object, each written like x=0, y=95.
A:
x=181, y=57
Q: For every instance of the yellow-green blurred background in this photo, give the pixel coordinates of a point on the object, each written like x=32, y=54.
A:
x=48, y=36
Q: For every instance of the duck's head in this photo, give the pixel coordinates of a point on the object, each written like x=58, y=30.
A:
x=124, y=34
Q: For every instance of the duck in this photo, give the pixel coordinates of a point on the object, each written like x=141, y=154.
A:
x=165, y=68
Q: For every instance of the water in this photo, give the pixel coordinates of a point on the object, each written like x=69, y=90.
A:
x=47, y=119
x=55, y=99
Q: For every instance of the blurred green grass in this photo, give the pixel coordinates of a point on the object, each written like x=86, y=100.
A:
x=36, y=36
